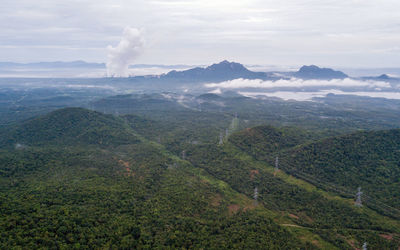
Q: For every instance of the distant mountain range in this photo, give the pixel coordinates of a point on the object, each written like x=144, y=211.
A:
x=73, y=64
x=383, y=77
x=226, y=70
x=82, y=64
x=217, y=72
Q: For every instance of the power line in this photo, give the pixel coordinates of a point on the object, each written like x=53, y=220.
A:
x=371, y=202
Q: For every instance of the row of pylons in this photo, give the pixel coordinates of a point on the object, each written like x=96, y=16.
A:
x=358, y=200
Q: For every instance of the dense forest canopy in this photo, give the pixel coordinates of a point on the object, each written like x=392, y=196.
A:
x=77, y=178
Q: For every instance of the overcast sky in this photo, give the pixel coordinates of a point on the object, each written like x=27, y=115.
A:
x=358, y=33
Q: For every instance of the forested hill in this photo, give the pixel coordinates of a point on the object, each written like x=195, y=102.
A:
x=370, y=160
x=294, y=203
x=69, y=126
x=262, y=141
x=83, y=179
x=76, y=178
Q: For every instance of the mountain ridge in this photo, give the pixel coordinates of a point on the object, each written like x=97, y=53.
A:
x=315, y=72
x=222, y=71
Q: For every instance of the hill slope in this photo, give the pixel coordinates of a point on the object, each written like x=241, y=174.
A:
x=70, y=126
x=262, y=141
x=370, y=160
x=120, y=194
x=343, y=163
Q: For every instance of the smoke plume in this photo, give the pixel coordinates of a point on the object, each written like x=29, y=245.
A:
x=125, y=53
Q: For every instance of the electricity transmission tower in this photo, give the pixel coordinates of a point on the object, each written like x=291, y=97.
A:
x=358, y=202
x=255, y=196
x=364, y=246
x=183, y=155
x=276, y=163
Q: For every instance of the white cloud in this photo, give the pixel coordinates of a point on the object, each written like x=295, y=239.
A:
x=215, y=91
x=296, y=83
x=286, y=95
x=308, y=96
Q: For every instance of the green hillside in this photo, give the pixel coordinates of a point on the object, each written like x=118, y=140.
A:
x=120, y=194
x=335, y=220
x=370, y=160
x=341, y=164
x=70, y=126
x=262, y=141
x=246, y=162
x=76, y=178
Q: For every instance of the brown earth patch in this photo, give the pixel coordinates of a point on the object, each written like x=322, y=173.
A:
x=250, y=206
x=204, y=181
x=387, y=236
x=276, y=171
x=352, y=243
x=307, y=218
x=294, y=216
x=128, y=171
x=253, y=173
x=316, y=243
x=292, y=225
x=124, y=163
x=216, y=200
x=233, y=209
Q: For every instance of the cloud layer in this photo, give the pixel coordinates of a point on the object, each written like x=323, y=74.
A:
x=328, y=33
x=308, y=96
x=296, y=83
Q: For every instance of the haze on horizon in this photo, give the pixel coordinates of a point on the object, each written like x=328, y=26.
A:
x=351, y=33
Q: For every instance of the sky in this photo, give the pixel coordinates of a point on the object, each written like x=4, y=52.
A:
x=345, y=33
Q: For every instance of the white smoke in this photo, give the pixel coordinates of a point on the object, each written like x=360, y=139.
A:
x=125, y=53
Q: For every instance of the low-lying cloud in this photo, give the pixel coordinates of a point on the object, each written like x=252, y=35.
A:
x=308, y=96
x=125, y=53
x=296, y=83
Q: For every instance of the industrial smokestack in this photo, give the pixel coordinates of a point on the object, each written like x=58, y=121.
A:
x=125, y=53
